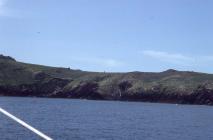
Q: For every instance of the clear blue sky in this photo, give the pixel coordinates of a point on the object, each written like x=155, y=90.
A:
x=109, y=35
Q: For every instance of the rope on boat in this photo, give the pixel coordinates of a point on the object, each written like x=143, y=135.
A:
x=42, y=135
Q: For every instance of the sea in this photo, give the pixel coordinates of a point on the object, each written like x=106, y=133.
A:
x=72, y=119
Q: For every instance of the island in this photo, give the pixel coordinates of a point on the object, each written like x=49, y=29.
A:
x=170, y=86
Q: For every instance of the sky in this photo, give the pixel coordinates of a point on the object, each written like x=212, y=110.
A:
x=109, y=35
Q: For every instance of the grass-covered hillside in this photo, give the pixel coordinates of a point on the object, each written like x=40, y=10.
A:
x=21, y=79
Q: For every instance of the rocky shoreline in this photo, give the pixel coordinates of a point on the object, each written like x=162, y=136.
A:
x=54, y=88
x=171, y=86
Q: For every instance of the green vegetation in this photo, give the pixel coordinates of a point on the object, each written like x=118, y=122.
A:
x=21, y=79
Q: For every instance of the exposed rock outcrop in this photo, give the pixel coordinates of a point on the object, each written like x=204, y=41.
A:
x=171, y=86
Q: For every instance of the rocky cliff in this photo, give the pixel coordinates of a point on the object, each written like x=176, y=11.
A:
x=171, y=86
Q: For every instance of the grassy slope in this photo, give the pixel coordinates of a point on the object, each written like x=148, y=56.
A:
x=17, y=73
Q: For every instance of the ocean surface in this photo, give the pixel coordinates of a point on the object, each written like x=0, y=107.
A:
x=67, y=119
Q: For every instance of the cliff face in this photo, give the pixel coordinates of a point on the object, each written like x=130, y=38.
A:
x=21, y=79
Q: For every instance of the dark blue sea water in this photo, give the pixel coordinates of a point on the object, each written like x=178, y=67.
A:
x=66, y=119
